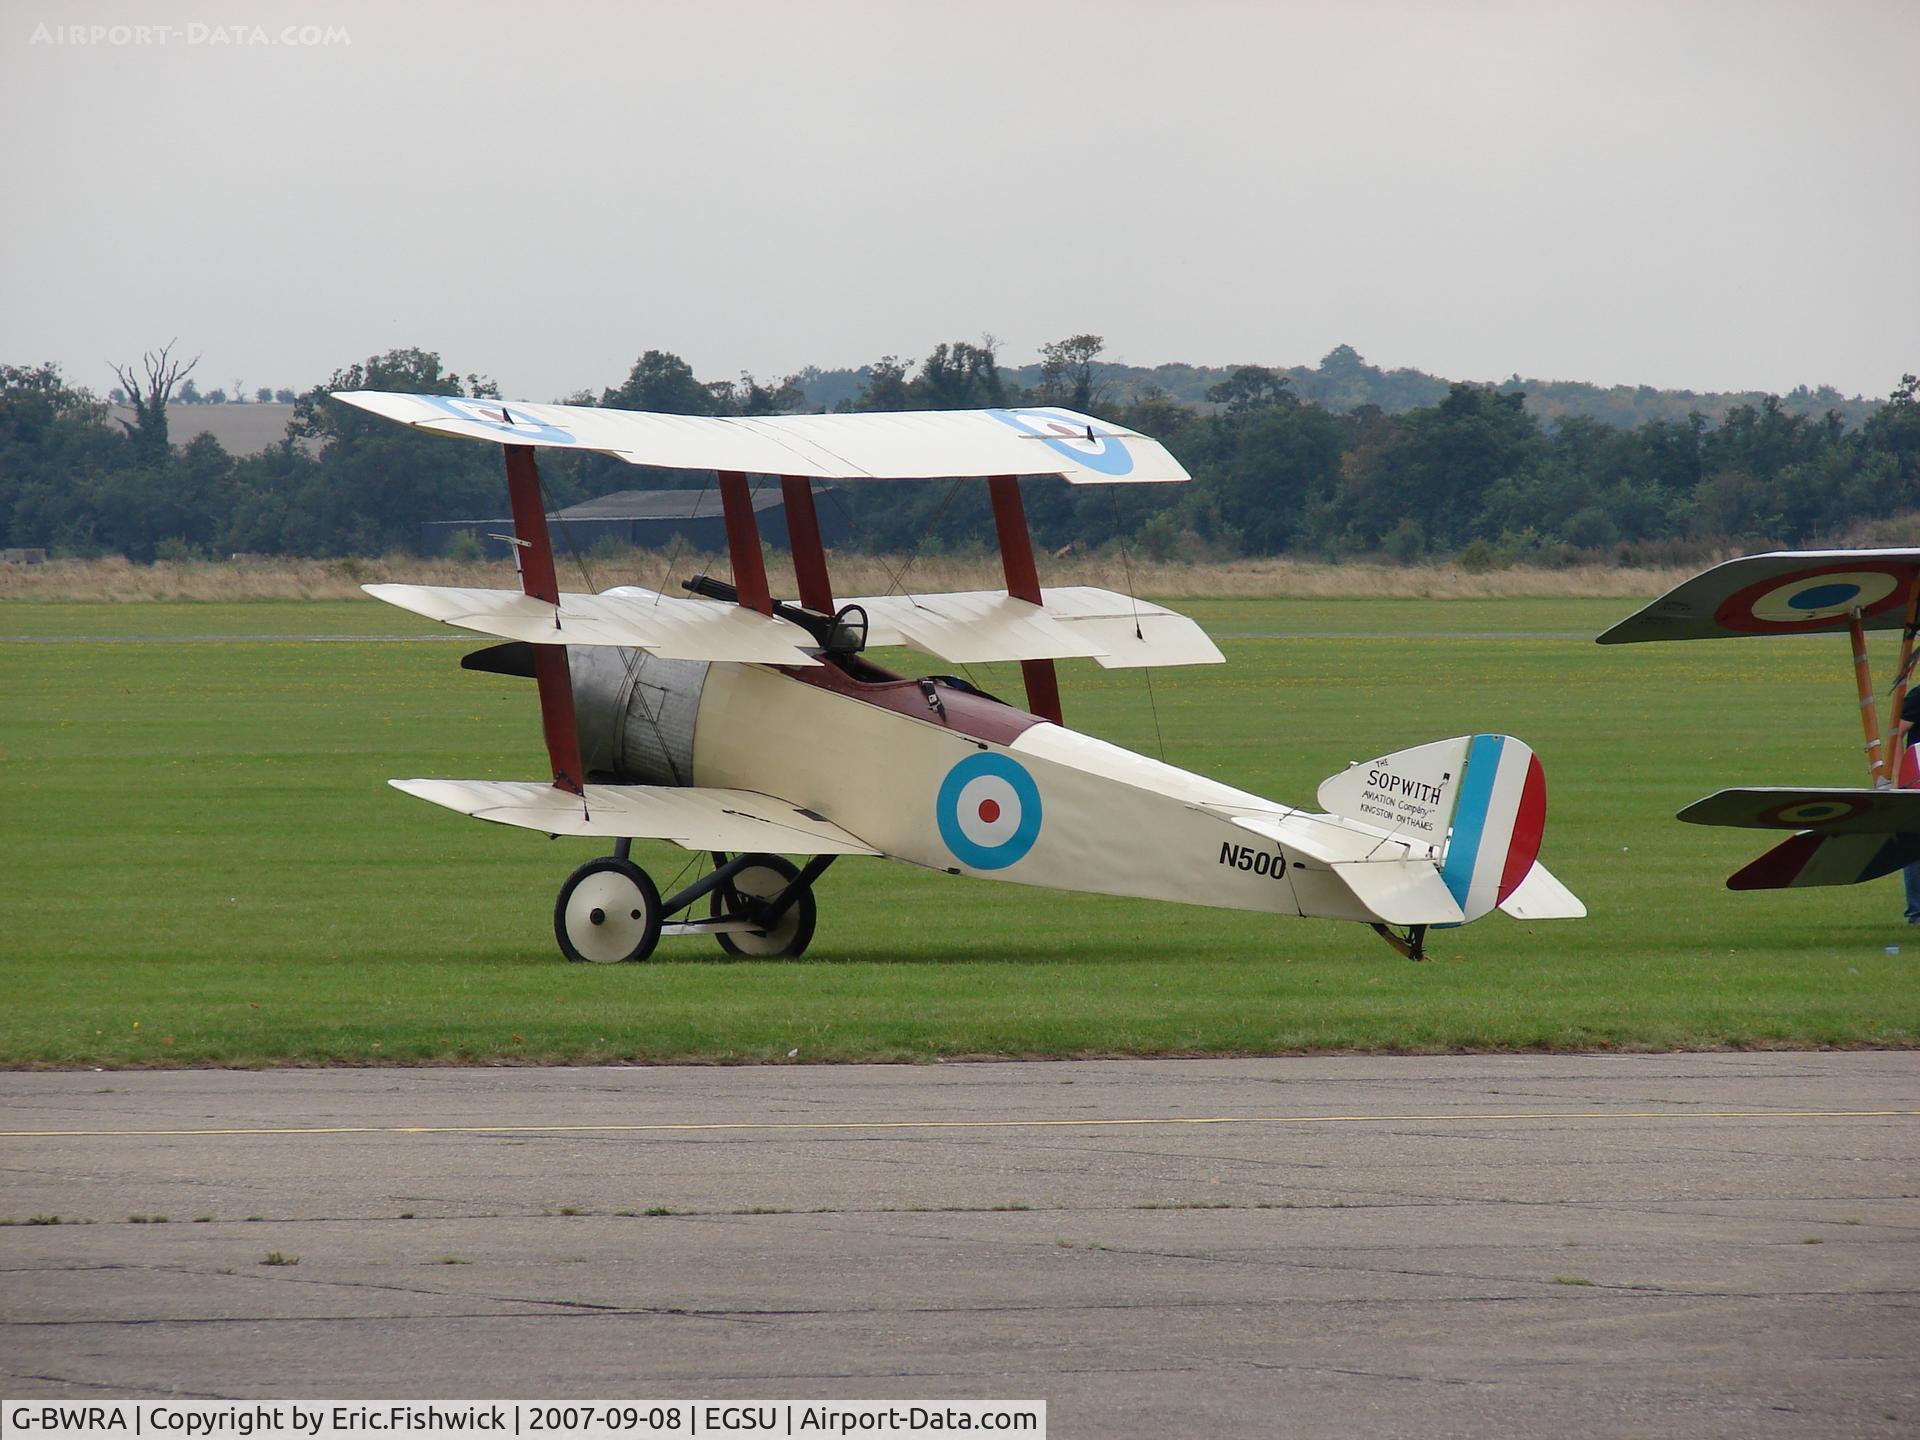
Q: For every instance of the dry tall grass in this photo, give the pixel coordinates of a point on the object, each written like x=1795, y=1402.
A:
x=117, y=580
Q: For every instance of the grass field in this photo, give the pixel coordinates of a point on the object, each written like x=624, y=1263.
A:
x=203, y=865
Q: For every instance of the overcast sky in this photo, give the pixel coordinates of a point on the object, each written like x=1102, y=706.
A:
x=1708, y=195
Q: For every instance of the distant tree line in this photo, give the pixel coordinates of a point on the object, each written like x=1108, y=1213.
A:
x=1343, y=381
x=1472, y=472
x=190, y=394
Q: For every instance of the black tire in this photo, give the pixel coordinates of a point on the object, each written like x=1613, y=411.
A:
x=763, y=877
x=608, y=913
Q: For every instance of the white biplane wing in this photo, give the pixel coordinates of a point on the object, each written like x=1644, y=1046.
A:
x=1132, y=633
x=970, y=627
x=698, y=819
x=966, y=628
x=906, y=445
x=674, y=629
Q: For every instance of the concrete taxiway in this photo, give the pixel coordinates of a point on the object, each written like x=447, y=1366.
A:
x=1694, y=1245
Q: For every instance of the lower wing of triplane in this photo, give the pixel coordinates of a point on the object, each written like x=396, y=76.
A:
x=1844, y=836
x=696, y=819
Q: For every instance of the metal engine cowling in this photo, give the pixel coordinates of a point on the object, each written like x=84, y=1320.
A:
x=636, y=714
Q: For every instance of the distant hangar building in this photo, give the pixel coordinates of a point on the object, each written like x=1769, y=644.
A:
x=646, y=520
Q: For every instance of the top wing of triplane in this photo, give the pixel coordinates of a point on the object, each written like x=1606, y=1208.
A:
x=1784, y=592
x=898, y=445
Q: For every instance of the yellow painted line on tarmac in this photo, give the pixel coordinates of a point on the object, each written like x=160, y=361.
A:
x=804, y=1126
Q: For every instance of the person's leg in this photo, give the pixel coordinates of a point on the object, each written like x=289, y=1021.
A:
x=1912, y=874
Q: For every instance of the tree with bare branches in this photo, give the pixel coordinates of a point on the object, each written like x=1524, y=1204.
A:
x=149, y=397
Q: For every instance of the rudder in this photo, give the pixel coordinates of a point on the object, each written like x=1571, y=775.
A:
x=1497, y=825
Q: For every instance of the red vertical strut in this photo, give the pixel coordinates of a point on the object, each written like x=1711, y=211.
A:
x=1023, y=583
x=743, y=543
x=803, y=538
x=537, y=579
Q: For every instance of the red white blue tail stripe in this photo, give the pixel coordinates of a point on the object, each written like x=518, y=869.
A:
x=1497, y=825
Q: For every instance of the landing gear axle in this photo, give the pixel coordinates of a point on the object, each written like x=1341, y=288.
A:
x=758, y=906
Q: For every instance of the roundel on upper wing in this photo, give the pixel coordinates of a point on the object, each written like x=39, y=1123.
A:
x=504, y=418
x=1812, y=599
x=1807, y=813
x=988, y=810
x=1072, y=437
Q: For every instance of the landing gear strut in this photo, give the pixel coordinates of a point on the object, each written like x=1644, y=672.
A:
x=610, y=912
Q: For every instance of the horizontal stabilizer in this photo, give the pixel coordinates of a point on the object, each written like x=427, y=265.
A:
x=698, y=819
x=1810, y=858
x=1828, y=812
x=891, y=445
x=975, y=626
x=1393, y=883
x=1541, y=896
x=1401, y=892
x=674, y=629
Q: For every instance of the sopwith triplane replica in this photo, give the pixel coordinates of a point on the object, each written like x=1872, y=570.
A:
x=753, y=728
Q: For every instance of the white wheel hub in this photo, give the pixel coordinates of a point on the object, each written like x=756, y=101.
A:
x=759, y=882
x=606, y=917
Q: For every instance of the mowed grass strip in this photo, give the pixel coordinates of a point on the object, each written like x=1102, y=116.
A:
x=203, y=864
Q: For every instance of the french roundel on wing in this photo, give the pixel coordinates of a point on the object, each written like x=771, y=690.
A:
x=988, y=811
x=1811, y=814
x=1813, y=599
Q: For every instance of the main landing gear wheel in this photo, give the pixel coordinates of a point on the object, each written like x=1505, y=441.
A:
x=761, y=879
x=608, y=913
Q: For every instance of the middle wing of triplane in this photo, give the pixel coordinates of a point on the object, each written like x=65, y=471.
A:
x=963, y=628
x=674, y=629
